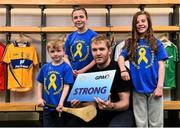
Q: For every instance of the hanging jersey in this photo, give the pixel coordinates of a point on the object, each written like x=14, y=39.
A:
x=78, y=49
x=118, y=49
x=20, y=60
x=170, y=64
x=2, y=68
x=53, y=78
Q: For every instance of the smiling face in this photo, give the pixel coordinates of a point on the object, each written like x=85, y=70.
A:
x=142, y=24
x=79, y=19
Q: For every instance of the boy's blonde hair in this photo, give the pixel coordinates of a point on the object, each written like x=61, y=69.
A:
x=55, y=44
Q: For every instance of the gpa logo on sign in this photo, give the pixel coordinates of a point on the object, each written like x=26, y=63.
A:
x=102, y=77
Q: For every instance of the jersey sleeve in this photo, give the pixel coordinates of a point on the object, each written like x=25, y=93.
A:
x=6, y=57
x=68, y=75
x=124, y=53
x=67, y=47
x=40, y=76
x=161, y=52
x=35, y=57
x=175, y=54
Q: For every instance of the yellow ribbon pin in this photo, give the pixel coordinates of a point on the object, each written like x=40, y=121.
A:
x=142, y=54
x=78, y=52
x=52, y=82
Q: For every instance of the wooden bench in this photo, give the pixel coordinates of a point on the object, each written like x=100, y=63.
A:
x=171, y=105
x=15, y=107
x=31, y=107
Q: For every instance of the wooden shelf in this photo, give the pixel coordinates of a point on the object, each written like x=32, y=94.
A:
x=155, y=28
x=166, y=28
x=68, y=29
x=89, y=3
x=71, y=29
x=57, y=29
x=19, y=29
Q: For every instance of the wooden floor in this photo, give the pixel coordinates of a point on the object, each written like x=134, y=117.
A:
x=20, y=123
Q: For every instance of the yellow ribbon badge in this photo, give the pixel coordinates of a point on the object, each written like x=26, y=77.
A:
x=78, y=52
x=142, y=54
x=52, y=82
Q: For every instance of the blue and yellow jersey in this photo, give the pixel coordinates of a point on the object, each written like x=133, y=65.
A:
x=144, y=70
x=53, y=78
x=20, y=59
x=78, y=49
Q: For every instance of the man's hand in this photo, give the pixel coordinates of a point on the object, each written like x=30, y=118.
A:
x=104, y=105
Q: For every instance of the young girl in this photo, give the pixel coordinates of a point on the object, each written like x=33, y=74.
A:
x=146, y=55
x=77, y=45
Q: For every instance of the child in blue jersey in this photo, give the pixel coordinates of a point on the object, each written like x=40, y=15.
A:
x=55, y=78
x=146, y=55
x=77, y=45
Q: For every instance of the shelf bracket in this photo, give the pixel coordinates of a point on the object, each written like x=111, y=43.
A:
x=108, y=20
x=43, y=36
x=8, y=38
x=141, y=7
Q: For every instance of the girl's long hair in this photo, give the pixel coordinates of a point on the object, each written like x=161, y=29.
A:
x=131, y=44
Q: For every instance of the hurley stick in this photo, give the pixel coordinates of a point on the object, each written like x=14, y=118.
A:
x=85, y=113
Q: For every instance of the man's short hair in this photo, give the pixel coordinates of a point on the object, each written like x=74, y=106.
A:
x=101, y=38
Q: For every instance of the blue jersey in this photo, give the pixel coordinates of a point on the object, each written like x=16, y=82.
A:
x=144, y=71
x=78, y=49
x=53, y=78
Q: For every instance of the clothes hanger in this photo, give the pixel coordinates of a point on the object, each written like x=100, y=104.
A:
x=62, y=37
x=21, y=39
x=164, y=38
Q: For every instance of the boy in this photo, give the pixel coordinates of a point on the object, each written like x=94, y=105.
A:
x=55, y=78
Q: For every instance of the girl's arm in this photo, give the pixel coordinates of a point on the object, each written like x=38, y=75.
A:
x=123, y=70
x=161, y=72
x=87, y=67
x=66, y=59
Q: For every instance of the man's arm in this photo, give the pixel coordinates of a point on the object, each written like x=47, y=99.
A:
x=123, y=103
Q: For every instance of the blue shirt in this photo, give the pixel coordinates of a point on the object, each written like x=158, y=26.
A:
x=144, y=71
x=53, y=78
x=77, y=47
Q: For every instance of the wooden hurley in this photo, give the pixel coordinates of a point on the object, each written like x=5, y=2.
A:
x=85, y=113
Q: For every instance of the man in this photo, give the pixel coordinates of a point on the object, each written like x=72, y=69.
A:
x=116, y=111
